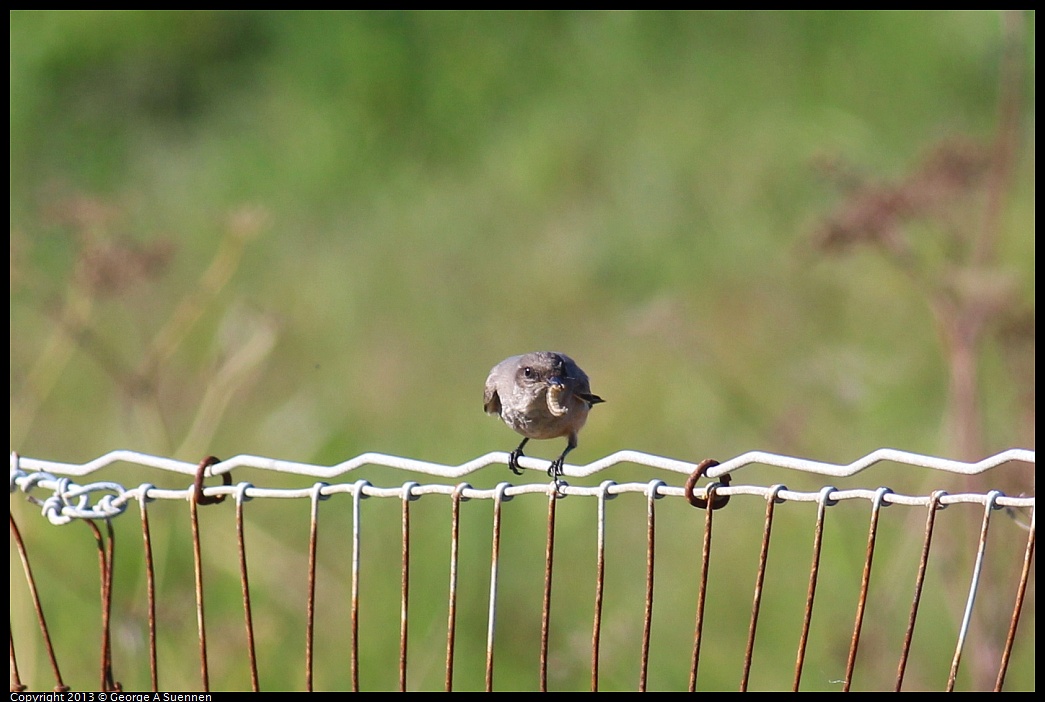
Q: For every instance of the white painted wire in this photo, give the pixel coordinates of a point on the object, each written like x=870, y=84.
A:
x=501, y=458
x=69, y=500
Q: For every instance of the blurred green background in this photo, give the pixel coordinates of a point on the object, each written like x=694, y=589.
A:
x=309, y=235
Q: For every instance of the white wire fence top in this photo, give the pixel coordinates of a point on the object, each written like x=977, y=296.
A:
x=72, y=501
x=501, y=458
x=1001, y=567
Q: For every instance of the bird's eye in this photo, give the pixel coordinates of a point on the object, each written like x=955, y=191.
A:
x=528, y=372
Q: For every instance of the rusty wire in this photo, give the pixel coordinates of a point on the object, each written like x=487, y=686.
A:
x=865, y=581
x=711, y=504
x=923, y=561
x=107, y=559
x=16, y=679
x=198, y=576
x=197, y=498
x=241, y=497
x=699, y=472
x=106, y=555
x=310, y=608
x=553, y=497
x=404, y=606
x=1021, y=591
x=357, y=496
x=763, y=556
x=647, y=620
x=818, y=539
x=451, y=616
x=150, y=584
x=600, y=581
x=59, y=686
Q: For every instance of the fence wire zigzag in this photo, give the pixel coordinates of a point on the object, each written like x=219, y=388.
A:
x=69, y=501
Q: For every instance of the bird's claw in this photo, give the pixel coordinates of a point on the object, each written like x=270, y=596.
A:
x=513, y=461
x=555, y=469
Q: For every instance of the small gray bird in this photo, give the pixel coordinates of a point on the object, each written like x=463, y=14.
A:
x=541, y=395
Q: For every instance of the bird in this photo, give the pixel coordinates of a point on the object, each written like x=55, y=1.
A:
x=541, y=395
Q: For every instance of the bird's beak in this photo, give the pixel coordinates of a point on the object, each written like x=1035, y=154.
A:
x=556, y=381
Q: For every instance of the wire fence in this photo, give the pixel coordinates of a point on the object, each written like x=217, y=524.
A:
x=973, y=597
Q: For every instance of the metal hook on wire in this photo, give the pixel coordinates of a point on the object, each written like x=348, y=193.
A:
x=717, y=501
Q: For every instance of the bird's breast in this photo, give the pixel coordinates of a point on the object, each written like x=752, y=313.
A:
x=537, y=420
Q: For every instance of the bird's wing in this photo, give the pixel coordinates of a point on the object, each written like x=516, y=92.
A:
x=491, y=400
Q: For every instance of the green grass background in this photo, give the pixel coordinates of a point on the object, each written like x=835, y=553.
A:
x=309, y=235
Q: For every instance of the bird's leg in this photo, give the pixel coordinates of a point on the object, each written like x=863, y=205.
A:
x=555, y=472
x=513, y=457
x=555, y=469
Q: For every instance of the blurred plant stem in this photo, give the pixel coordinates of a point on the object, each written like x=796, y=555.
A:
x=963, y=326
x=244, y=225
x=953, y=262
x=107, y=267
x=230, y=376
x=45, y=372
x=970, y=294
